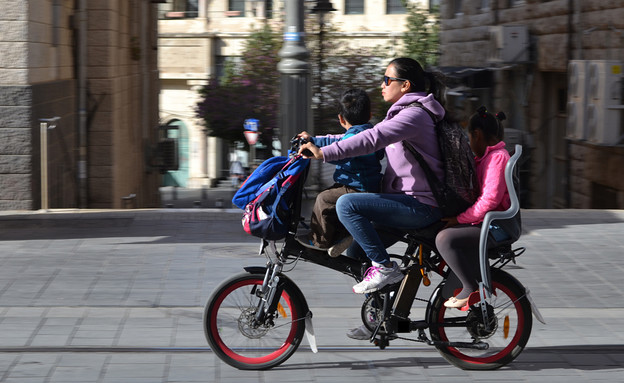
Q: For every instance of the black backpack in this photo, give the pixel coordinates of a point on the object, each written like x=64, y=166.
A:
x=461, y=188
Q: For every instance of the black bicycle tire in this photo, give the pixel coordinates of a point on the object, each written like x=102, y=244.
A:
x=229, y=356
x=456, y=357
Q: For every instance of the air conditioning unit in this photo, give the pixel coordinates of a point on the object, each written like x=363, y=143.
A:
x=604, y=100
x=508, y=44
x=577, y=99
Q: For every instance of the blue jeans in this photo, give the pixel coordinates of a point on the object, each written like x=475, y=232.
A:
x=359, y=212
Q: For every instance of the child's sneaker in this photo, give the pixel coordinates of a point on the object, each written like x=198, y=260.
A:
x=340, y=247
x=360, y=333
x=377, y=277
x=306, y=241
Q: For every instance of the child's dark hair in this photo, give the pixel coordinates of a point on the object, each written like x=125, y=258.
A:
x=355, y=106
x=491, y=125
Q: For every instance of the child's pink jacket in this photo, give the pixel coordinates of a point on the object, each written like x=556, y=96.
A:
x=494, y=194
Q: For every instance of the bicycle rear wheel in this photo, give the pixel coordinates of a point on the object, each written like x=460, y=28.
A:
x=235, y=336
x=509, y=312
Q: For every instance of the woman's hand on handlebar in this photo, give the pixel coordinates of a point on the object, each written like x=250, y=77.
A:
x=309, y=150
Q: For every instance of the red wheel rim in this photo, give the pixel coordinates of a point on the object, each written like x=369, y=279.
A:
x=231, y=353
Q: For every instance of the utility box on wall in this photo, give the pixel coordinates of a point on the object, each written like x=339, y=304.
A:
x=577, y=99
x=595, y=101
x=508, y=44
x=604, y=101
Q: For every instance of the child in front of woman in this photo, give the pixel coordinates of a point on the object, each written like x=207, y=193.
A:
x=458, y=242
x=352, y=175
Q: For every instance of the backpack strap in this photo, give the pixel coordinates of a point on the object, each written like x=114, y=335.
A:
x=287, y=170
x=430, y=113
x=432, y=179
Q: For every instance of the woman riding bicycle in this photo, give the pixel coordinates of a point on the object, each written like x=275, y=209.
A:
x=406, y=200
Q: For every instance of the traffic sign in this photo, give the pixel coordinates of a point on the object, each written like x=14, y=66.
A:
x=252, y=137
x=251, y=124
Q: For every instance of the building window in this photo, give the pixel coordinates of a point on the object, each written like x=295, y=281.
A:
x=354, y=7
x=434, y=5
x=395, y=7
x=192, y=8
x=485, y=5
x=236, y=8
x=178, y=9
x=457, y=7
x=515, y=3
x=268, y=9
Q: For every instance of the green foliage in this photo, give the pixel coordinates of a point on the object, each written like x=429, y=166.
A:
x=336, y=67
x=421, y=40
x=248, y=89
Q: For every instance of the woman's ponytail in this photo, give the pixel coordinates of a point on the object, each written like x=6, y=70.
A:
x=436, y=85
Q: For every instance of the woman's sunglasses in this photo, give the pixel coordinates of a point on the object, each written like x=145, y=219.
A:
x=387, y=80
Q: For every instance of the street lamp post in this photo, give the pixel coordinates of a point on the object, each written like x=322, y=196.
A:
x=294, y=69
x=321, y=9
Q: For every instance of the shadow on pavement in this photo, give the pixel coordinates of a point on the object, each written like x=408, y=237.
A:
x=581, y=357
x=156, y=231
x=553, y=219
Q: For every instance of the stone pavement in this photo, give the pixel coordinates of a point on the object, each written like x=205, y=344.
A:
x=117, y=296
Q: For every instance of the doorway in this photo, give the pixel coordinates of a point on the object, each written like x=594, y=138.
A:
x=178, y=130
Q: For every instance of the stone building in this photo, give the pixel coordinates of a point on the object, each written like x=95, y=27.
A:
x=554, y=67
x=196, y=37
x=92, y=63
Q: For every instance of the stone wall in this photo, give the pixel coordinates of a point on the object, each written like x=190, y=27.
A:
x=15, y=115
x=123, y=104
x=38, y=79
x=35, y=83
x=15, y=148
x=596, y=176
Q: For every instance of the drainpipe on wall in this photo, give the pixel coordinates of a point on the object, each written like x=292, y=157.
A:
x=82, y=105
x=579, y=29
x=571, y=13
x=573, y=19
x=146, y=99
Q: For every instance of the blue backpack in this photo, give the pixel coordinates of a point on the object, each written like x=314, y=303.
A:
x=266, y=196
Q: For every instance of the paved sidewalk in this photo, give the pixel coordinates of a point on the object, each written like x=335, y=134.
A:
x=117, y=296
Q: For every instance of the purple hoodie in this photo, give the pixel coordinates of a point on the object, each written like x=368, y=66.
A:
x=403, y=174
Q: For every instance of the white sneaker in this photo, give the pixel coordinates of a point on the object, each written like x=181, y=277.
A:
x=377, y=277
x=360, y=333
x=363, y=333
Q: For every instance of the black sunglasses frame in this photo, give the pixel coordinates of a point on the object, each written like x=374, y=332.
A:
x=387, y=79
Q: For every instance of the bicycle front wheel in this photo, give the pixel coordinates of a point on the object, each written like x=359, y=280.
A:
x=238, y=339
x=509, y=313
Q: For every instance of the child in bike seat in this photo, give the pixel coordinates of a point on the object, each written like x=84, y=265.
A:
x=352, y=175
x=458, y=242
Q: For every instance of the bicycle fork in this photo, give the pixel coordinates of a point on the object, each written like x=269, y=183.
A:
x=269, y=295
x=268, y=292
